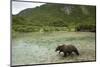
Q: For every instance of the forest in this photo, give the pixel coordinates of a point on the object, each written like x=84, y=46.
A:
x=55, y=17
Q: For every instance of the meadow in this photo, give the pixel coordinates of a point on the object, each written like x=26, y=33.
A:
x=39, y=47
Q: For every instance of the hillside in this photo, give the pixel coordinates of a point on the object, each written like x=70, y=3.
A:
x=55, y=17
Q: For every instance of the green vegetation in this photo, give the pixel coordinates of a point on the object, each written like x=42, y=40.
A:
x=55, y=17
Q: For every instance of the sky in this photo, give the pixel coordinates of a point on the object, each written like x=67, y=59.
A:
x=19, y=6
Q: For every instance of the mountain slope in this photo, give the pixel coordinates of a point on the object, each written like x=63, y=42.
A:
x=56, y=15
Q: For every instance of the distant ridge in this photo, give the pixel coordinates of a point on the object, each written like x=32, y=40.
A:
x=57, y=15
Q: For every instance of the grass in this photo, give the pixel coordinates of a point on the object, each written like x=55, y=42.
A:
x=39, y=48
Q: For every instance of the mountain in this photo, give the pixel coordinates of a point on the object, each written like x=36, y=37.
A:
x=56, y=15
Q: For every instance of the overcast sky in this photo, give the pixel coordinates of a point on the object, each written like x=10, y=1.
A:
x=19, y=6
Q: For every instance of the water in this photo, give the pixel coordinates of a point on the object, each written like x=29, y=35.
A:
x=39, y=48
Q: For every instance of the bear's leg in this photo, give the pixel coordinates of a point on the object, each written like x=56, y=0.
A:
x=65, y=54
x=76, y=51
x=69, y=53
x=59, y=52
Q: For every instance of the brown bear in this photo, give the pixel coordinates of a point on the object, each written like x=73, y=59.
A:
x=67, y=49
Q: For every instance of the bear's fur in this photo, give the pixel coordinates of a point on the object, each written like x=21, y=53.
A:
x=67, y=49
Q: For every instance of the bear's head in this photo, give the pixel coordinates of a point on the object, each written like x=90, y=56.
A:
x=59, y=47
